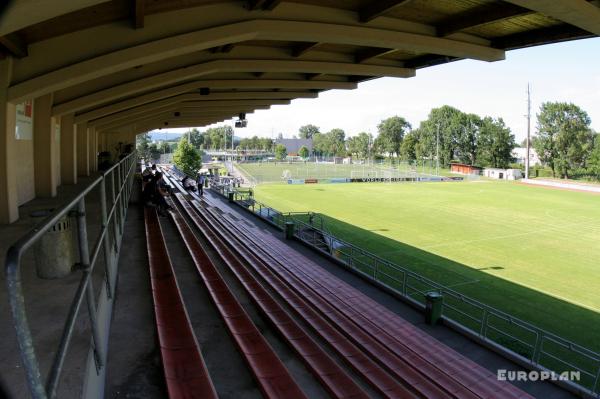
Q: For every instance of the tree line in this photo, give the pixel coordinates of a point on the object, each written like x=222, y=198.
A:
x=564, y=140
x=448, y=133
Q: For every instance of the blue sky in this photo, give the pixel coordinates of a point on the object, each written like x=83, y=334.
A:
x=567, y=71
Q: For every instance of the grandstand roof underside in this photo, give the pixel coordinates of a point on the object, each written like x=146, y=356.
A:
x=141, y=64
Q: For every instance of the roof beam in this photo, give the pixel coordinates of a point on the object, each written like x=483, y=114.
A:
x=579, y=13
x=428, y=60
x=222, y=49
x=300, y=49
x=238, y=95
x=138, y=11
x=75, y=105
x=169, y=103
x=242, y=31
x=233, y=65
x=182, y=111
x=265, y=5
x=188, y=117
x=552, y=34
x=480, y=16
x=378, y=8
x=20, y=14
x=312, y=76
x=370, y=53
x=14, y=44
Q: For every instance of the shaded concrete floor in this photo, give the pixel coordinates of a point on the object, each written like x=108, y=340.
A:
x=481, y=355
x=134, y=363
x=47, y=303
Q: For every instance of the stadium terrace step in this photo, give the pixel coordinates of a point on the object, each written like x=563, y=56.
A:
x=351, y=354
x=271, y=374
x=338, y=383
x=184, y=368
x=424, y=352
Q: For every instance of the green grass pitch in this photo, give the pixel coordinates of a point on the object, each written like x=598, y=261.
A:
x=532, y=252
x=274, y=172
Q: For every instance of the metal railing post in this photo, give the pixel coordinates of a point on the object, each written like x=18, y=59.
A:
x=107, y=245
x=84, y=254
x=484, y=321
x=24, y=339
x=119, y=200
x=597, y=381
x=114, y=214
x=535, y=356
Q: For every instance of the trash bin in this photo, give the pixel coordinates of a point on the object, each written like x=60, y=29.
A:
x=54, y=253
x=433, y=307
x=230, y=196
x=289, y=230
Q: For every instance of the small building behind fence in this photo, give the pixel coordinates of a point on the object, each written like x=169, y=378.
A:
x=503, y=174
x=465, y=169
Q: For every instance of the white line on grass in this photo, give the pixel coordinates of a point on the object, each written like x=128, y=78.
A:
x=551, y=228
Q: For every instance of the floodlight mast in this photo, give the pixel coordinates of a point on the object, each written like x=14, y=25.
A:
x=437, y=151
x=528, y=132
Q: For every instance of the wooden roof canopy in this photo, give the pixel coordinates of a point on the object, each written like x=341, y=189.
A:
x=142, y=64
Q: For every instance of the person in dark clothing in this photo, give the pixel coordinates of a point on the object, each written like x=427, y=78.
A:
x=188, y=184
x=200, y=184
x=154, y=194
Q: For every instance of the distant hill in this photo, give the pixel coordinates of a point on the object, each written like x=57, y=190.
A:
x=165, y=135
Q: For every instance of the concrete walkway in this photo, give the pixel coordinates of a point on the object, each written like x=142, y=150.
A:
x=564, y=185
x=132, y=358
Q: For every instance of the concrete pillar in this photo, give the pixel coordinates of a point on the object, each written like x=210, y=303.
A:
x=83, y=152
x=44, y=144
x=9, y=210
x=92, y=145
x=57, y=159
x=94, y=141
x=68, y=150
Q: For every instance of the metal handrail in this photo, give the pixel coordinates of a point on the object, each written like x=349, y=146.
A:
x=541, y=336
x=119, y=179
x=355, y=254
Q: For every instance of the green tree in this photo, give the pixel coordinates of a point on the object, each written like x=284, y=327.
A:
x=319, y=144
x=391, y=133
x=280, y=152
x=303, y=152
x=564, y=139
x=336, y=142
x=187, y=158
x=449, y=123
x=468, y=137
x=164, y=147
x=359, y=145
x=308, y=131
x=142, y=144
x=218, y=137
x=196, y=138
x=154, y=151
x=408, y=149
x=594, y=160
x=495, y=143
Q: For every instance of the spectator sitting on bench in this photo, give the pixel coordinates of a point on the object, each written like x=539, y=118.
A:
x=148, y=172
x=154, y=194
x=188, y=184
